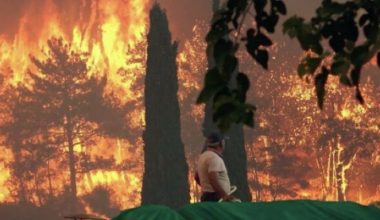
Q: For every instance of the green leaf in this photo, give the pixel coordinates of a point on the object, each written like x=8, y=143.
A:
x=213, y=78
x=345, y=80
x=243, y=85
x=340, y=67
x=205, y=95
x=320, y=82
x=309, y=41
x=263, y=40
x=208, y=92
x=337, y=43
x=260, y=5
x=213, y=84
x=224, y=111
x=251, y=33
x=224, y=115
x=302, y=69
x=217, y=32
x=350, y=30
x=248, y=119
x=292, y=26
x=308, y=66
x=360, y=55
x=370, y=31
x=260, y=55
x=262, y=58
x=221, y=97
x=222, y=49
x=242, y=82
x=279, y=6
x=229, y=66
x=232, y=5
x=330, y=9
x=268, y=22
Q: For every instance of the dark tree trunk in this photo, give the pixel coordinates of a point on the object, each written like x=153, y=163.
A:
x=38, y=191
x=72, y=169
x=51, y=194
x=235, y=157
x=22, y=191
x=165, y=178
x=19, y=175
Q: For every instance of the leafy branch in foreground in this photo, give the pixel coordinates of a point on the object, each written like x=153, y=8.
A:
x=338, y=23
x=224, y=84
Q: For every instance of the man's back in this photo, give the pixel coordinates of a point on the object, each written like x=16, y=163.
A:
x=210, y=161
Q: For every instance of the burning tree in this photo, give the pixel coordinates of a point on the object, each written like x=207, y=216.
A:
x=279, y=165
x=345, y=141
x=58, y=111
x=287, y=117
x=275, y=162
x=165, y=176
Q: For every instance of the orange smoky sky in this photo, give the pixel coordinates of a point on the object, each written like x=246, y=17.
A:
x=183, y=14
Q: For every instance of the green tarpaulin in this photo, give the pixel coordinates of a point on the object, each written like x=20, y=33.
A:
x=279, y=210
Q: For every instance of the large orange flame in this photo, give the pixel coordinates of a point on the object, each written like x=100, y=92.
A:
x=113, y=34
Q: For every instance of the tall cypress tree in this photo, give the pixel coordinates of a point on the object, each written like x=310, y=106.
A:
x=235, y=156
x=166, y=171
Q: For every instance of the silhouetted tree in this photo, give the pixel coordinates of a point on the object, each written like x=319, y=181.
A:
x=59, y=108
x=31, y=147
x=166, y=172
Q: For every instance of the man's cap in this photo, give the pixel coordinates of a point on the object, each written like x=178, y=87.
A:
x=214, y=139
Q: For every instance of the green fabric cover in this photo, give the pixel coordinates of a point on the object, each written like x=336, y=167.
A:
x=279, y=210
x=149, y=212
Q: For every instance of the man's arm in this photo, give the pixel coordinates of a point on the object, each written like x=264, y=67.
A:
x=213, y=178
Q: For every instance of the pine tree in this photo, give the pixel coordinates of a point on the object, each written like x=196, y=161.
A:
x=166, y=172
x=60, y=108
x=235, y=155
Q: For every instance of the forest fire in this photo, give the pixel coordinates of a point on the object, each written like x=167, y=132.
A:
x=295, y=151
x=107, y=32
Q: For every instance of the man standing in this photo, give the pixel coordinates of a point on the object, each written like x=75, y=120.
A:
x=212, y=173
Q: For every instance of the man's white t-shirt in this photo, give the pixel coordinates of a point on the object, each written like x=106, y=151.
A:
x=208, y=162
